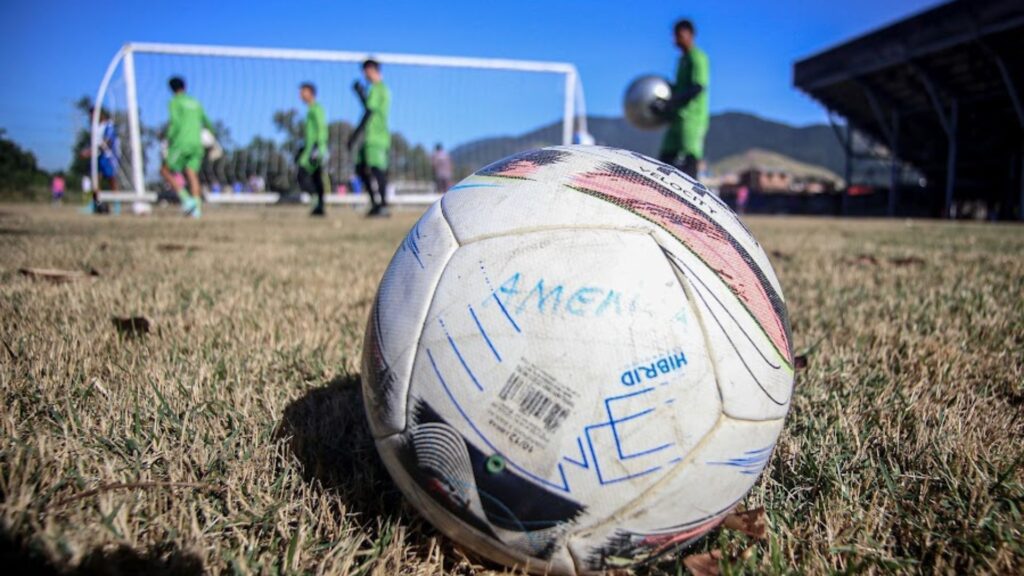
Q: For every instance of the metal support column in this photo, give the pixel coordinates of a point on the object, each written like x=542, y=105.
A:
x=848, y=146
x=894, y=168
x=889, y=126
x=951, y=159
x=949, y=127
x=844, y=141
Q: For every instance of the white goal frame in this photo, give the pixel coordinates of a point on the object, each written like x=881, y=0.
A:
x=573, y=106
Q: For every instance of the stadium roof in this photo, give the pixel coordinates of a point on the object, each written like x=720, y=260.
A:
x=942, y=88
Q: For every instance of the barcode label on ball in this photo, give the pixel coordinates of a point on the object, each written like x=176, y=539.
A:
x=533, y=400
x=530, y=407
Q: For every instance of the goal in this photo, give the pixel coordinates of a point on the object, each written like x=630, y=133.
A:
x=477, y=110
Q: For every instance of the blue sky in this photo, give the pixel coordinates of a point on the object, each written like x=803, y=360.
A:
x=56, y=51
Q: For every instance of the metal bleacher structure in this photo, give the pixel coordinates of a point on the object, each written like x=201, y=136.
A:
x=942, y=91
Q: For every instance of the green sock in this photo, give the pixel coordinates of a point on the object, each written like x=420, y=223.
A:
x=183, y=196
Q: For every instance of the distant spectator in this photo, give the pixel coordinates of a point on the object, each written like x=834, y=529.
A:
x=257, y=184
x=442, y=164
x=742, y=197
x=86, y=185
x=57, y=188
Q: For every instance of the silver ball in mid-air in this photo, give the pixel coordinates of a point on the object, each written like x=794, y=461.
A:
x=641, y=93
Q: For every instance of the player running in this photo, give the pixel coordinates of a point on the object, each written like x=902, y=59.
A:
x=372, y=159
x=185, y=146
x=687, y=111
x=313, y=177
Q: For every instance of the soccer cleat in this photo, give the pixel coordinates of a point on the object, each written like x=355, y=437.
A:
x=189, y=206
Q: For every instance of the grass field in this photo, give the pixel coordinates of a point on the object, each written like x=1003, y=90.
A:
x=231, y=437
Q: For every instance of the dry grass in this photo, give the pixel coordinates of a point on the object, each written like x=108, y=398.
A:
x=230, y=438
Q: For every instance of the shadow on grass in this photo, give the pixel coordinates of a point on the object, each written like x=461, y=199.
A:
x=330, y=436
x=17, y=557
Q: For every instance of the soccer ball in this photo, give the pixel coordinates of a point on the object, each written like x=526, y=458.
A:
x=640, y=94
x=577, y=360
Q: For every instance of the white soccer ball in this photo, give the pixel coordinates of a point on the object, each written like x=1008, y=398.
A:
x=214, y=151
x=578, y=359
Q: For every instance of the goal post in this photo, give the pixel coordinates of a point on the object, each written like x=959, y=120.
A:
x=476, y=109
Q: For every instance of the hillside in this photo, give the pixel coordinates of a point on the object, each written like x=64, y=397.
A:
x=730, y=133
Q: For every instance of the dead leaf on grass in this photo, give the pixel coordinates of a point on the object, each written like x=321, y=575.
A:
x=907, y=261
x=753, y=523
x=704, y=564
x=132, y=325
x=57, y=276
x=174, y=247
x=866, y=259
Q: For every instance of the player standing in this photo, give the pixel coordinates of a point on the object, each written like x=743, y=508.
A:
x=683, y=144
x=372, y=159
x=312, y=176
x=185, y=146
x=106, y=162
x=110, y=150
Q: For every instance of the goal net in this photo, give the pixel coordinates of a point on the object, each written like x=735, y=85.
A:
x=472, y=110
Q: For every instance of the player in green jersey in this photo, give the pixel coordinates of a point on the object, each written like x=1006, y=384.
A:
x=372, y=159
x=313, y=177
x=185, y=146
x=687, y=111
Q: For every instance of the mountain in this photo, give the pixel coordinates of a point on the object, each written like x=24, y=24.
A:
x=730, y=133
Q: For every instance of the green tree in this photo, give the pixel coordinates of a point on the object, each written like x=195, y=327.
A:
x=18, y=167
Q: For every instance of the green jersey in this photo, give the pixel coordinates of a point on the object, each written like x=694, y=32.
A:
x=187, y=120
x=316, y=133
x=690, y=124
x=378, y=104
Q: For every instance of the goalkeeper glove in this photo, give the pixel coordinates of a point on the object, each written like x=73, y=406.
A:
x=660, y=108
